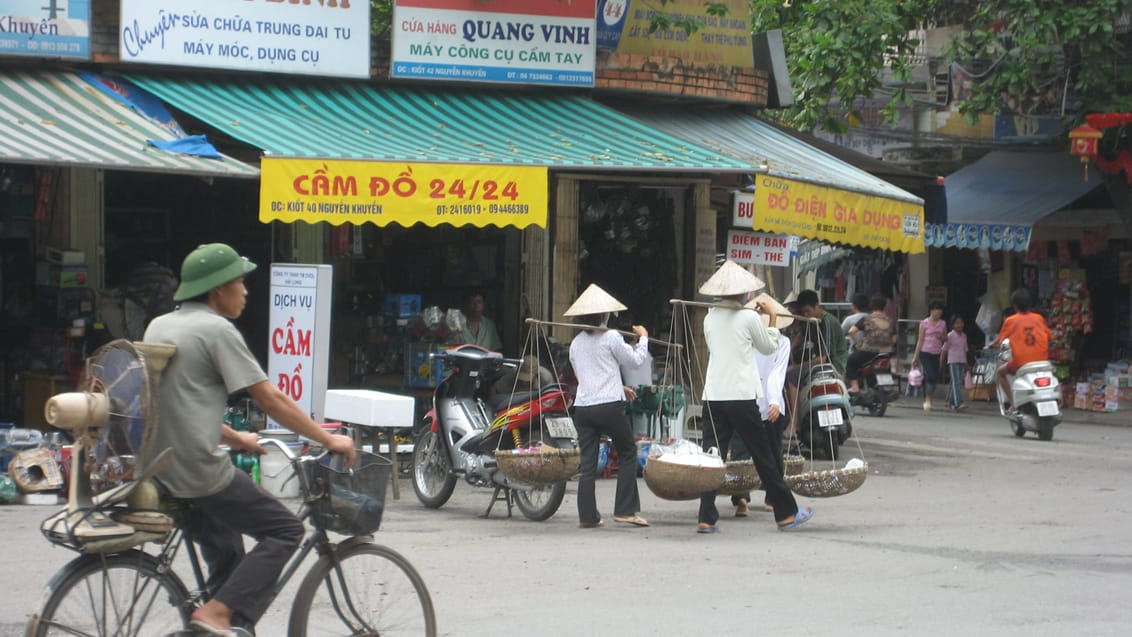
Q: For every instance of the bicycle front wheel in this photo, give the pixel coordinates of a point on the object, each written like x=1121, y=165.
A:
x=122, y=594
x=368, y=590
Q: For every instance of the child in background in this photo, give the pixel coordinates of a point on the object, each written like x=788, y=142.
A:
x=954, y=354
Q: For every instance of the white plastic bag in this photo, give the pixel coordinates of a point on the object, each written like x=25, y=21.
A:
x=686, y=452
x=989, y=316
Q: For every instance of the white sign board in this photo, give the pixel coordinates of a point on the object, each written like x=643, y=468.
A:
x=548, y=42
x=327, y=38
x=760, y=248
x=743, y=209
x=298, y=352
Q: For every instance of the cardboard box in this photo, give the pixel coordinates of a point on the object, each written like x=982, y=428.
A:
x=66, y=257
x=1082, y=388
x=1118, y=380
x=1081, y=401
x=402, y=305
x=420, y=369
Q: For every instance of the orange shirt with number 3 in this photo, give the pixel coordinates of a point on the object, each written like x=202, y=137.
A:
x=1029, y=338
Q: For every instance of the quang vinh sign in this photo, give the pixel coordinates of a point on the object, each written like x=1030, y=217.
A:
x=837, y=216
x=336, y=191
x=547, y=42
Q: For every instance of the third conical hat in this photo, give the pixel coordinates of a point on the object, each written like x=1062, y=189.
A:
x=595, y=300
x=731, y=279
x=784, y=318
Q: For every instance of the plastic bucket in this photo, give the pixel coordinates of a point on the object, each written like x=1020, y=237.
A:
x=276, y=475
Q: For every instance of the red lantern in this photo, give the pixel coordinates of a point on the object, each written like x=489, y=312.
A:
x=1083, y=143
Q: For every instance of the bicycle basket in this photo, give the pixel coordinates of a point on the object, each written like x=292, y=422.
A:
x=347, y=501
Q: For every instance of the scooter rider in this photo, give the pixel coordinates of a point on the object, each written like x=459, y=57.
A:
x=1029, y=339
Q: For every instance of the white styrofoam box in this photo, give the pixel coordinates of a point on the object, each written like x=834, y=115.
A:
x=49, y=497
x=370, y=408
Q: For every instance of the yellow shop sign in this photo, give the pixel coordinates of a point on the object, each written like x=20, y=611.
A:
x=837, y=216
x=381, y=193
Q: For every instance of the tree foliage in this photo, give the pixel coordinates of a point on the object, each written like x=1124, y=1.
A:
x=1046, y=57
x=836, y=51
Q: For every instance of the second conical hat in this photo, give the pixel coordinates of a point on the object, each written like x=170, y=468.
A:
x=595, y=300
x=731, y=279
x=784, y=318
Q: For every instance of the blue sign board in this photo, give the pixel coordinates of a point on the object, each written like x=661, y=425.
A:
x=45, y=28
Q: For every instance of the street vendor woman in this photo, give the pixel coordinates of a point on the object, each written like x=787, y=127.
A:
x=212, y=362
x=733, y=385
x=596, y=354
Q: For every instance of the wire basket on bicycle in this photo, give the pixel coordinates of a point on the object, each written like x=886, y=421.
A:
x=347, y=501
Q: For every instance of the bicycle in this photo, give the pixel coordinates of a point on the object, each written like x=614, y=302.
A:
x=356, y=587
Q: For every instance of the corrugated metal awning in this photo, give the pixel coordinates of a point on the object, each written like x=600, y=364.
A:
x=849, y=206
x=363, y=121
x=770, y=150
x=59, y=118
x=994, y=202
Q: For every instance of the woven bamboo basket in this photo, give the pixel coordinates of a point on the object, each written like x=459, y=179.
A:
x=794, y=464
x=539, y=466
x=829, y=483
x=671, y=481
x=740, y=478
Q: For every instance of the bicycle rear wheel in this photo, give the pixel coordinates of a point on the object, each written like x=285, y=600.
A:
x=123, y=594
x=371, y=591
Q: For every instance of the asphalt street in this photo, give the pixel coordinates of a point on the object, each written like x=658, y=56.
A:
x=960, y=529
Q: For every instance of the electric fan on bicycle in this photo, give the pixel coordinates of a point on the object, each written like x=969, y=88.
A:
x=112, y=419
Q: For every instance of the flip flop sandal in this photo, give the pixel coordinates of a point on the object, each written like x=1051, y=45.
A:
x=708, y=529
x=800, y=518
x=635, y=520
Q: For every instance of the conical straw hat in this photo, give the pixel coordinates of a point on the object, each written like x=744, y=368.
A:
x=594, y=300
x=784, y=318
x=731, y=279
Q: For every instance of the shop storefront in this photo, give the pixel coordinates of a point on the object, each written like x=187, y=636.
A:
x=437, y=192
x=1037, y=220
x=77, y=154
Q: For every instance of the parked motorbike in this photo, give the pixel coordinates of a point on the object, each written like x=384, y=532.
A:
x=878, y=387
x=824, y=411
x=462, y=431
x=1037, y=397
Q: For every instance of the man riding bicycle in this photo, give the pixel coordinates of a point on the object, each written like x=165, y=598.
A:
x=212, y=361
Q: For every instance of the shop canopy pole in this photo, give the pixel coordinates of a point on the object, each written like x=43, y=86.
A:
x=580, y=326
x=725, y=306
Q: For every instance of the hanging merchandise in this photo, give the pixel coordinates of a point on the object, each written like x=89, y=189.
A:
x=1070, y=316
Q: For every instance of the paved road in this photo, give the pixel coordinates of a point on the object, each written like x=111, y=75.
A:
x=961, y=529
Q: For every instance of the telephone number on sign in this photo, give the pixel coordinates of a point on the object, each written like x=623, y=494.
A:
x=459, y=209
x=508, y=208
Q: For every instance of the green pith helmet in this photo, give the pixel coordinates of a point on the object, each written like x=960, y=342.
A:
x=210, y=266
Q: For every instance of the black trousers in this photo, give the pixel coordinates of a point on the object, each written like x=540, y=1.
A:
x=591, y=422
x=728, y=417
x=218, y=524
x=774, y=432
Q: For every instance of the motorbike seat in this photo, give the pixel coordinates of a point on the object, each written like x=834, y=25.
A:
x=1034, y=368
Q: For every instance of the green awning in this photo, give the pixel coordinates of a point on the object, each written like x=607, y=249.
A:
x=58, y=118
x=772, y=151
x=365, y=121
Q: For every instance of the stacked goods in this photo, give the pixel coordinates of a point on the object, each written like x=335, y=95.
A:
x=1118, y=387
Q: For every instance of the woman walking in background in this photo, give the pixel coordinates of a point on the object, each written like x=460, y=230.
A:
x=929, y=343
x=955, y=355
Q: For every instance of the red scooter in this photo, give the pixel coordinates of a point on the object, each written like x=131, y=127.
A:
x=462, y=432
